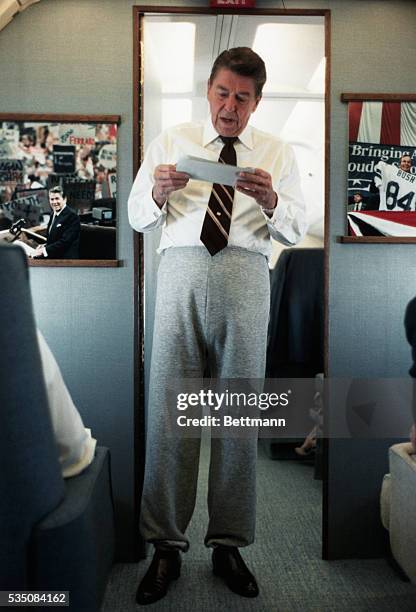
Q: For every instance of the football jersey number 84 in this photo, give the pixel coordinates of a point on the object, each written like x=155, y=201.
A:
x=397, y=188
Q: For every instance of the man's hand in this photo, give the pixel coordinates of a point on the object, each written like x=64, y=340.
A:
x=167, y=180
x=258, y=185
x=38, y=251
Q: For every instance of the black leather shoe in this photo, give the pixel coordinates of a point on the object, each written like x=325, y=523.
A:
x=228, y=563
x=165, y=567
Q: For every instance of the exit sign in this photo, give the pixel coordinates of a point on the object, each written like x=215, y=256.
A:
x=233, y=3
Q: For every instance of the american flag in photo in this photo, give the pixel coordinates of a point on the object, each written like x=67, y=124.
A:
x=382, y=223
x=359, y=185
x=388, y=123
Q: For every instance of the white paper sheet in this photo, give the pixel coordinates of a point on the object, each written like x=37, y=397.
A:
x=212, y=172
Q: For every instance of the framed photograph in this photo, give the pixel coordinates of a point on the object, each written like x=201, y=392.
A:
x=73, y=157
x=381, y=200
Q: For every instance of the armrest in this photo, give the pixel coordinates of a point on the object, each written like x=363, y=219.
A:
x=405, y=452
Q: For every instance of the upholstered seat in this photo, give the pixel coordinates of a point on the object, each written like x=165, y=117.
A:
x=398, y=505
x=54, y=534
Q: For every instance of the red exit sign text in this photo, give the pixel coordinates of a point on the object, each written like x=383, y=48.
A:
x=232, y=3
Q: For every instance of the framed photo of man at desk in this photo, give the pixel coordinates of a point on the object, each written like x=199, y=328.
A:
x=58, y=187
x=382, y=166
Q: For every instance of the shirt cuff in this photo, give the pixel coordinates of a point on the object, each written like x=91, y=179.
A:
x=44, y=252
x=85, y=460
x=157, y=211
x=279, y=212
x=266, y=211
x=164, y=208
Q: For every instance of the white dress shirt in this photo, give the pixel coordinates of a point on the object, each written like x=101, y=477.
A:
x=75, y=445
x=182, y=216
x=55, y=216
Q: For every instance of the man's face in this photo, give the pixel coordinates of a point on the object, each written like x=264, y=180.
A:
x=26, y=141
x=357, y=197
x=231, y=99
x=57, y=202
x=406, y=163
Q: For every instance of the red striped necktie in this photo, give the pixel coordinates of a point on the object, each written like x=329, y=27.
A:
x=217, y=221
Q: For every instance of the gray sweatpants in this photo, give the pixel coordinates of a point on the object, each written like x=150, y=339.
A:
x=211, y=315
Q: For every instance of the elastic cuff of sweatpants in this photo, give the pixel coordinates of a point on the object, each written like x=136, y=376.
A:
x=171, y=545
x=227, y=541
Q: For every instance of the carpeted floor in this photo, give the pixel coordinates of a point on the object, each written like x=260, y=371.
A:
x=286, y=559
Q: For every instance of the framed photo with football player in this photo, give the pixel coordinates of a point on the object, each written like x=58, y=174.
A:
x=381, y=200
x=58, y=187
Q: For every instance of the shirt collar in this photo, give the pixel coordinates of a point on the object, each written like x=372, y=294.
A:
x=57, y=214
x=210, y=134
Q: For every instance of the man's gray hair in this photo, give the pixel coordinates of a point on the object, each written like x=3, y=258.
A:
x=244, y=62
x=57, y=189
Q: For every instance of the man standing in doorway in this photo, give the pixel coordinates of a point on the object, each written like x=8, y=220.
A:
x=212, y=310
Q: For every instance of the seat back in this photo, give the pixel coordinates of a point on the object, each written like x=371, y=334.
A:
x=295, y=346
x=31, y=484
